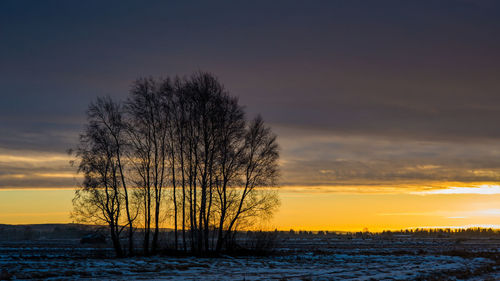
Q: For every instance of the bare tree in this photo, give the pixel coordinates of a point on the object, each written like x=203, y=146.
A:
x=230, y=148
x=148, y=134
x=104, y=189
x=259, y=168
x=179, y=113
x=207, y=94
x=188, y=134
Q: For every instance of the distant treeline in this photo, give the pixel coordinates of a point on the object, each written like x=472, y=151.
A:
x=444, y=232
x=46, y=231
x=252, y=239
x=417, y=232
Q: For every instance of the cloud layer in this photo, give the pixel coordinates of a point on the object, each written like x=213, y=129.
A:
x=387, y=93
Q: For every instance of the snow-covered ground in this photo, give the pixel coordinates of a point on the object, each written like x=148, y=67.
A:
x=302, y=259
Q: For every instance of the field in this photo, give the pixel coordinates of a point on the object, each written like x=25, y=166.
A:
x=295, y=257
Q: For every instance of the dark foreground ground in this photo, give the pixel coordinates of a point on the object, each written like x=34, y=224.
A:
x=296, y=257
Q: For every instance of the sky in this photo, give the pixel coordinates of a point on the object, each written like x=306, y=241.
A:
x=386, y=111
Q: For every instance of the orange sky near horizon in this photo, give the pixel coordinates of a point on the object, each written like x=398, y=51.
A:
x=319, y=209
x=386, y=114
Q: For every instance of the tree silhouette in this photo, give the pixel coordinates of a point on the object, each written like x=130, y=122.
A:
x=177, y=133
x=103, y=191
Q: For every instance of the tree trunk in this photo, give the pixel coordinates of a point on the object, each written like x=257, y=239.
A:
x=116, y=242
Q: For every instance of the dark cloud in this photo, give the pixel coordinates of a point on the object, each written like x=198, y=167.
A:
x=323, y=160
x=398, y=71
x=29, y=168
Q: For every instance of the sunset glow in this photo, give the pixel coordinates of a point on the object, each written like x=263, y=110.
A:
x=386, y=116
x=320, y=209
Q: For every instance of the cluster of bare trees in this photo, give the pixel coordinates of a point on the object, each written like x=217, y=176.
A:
x=177, y=152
